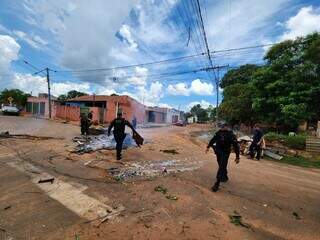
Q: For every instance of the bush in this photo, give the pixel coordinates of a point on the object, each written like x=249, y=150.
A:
x=295, y=142
x=272, y=136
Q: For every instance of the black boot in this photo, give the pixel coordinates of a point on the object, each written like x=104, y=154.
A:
x=215, y=187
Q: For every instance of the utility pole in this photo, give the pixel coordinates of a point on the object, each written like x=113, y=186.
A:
x=217, y=80
x=49, y=92
x=47, y=70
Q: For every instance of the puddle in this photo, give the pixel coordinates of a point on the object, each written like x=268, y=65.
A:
x=149, y=169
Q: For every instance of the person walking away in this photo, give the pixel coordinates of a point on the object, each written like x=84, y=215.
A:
x=221, y=144
x=257, y=141
x=84, y=124
x=119, y=124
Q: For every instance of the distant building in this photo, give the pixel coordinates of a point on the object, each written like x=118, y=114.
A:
x=104, y=108
x=39, y=106
x=192, y=119
x=163, y=115
x=107, y=107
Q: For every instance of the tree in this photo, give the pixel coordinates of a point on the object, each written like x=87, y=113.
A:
x=241, y=75
x=200, y=112
x=71, y=94
x=288, y=85
x=284, y=92
x=236, y=106
x=19, y=98
x=212, y=113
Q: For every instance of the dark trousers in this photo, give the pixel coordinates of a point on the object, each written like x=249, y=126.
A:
x=84, y=129
x=222, y=159
x=119, y=138
x=255, y=147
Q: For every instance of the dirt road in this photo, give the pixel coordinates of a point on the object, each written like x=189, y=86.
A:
x=85, y=201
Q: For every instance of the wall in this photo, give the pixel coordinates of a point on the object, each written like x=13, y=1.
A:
x=40, y=100
x=129, y=108
x=68, y=113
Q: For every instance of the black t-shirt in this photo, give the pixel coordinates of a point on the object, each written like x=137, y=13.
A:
x=257, y=135
x=119, y=126
x=224, y=139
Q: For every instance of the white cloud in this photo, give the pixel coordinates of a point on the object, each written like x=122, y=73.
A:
x=197, y=87
x=201, y=88
x=232, y=24
x=140, y=78
x=178, y=89
x=9, y=50
x=86, y=32
x=62, y=88
x=126, y=34
x=34, y=41
x=306, y=21
x=149, y=95
x=37, y=84
x=165, y=105
x=203, y=104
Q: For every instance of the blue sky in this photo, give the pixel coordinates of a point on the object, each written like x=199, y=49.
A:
x=68, y=36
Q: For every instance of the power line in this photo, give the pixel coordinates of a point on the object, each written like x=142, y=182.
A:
x=47, y=70
x=164, y=61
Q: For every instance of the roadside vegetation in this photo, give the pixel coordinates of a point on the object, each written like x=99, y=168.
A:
x=294, y=142
x=298, y=161
x=281, y=93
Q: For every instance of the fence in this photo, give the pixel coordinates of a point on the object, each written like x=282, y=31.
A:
x=313, y=145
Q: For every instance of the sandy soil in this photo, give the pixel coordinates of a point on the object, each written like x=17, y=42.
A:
x=275, y=201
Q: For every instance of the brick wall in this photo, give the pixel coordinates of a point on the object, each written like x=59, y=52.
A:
x=69, y=113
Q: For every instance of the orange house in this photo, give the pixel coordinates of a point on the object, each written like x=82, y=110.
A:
x=105, y=108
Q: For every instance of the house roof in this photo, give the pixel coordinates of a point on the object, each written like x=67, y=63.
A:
x=101, y=98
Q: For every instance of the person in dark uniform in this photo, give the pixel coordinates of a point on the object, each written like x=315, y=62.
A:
x=119, y=124
x=221, y=144
x=84, y=124
x=134, y=122
x=90, y=115
x=255, y=146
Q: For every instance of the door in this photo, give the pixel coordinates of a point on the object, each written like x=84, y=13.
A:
x=42, y=108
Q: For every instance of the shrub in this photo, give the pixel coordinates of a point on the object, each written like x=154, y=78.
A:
x=295, y=142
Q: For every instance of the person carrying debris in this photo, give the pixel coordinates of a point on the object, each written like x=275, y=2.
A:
x=257, y=142
x=118, y=125
x=84, y=124
x=221, y=144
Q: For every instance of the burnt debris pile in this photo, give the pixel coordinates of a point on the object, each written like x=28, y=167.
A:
x=98, y=142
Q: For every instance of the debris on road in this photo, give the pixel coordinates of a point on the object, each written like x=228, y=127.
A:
x=94, y=143
x=296, y=215
x=161, y=189
x=172, y=197
x=51, y=180
x=170, y=151
x=147, y=169
x=273, y=155
x=7, y=207
x=236, y=219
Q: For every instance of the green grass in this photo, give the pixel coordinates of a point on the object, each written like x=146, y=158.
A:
x=298, y=161
x=295, y=142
